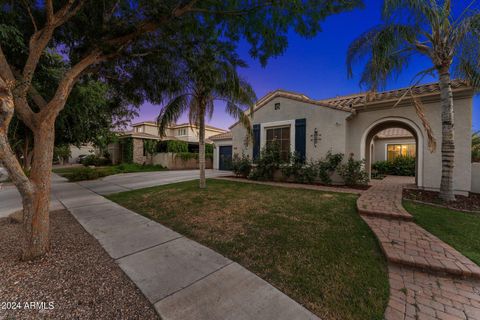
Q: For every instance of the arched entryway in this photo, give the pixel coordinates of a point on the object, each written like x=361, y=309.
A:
x=380, y=125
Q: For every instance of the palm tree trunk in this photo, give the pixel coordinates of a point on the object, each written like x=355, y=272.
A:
x=448, y=144
x=201, y=147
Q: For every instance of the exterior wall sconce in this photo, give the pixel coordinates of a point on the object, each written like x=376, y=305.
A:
x=315, y=137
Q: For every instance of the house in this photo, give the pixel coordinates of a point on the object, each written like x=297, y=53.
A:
x=148, y=130
x=369, y=127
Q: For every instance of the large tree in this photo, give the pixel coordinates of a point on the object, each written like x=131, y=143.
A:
x=430, y=29
x=207, y=70
x=110, y=38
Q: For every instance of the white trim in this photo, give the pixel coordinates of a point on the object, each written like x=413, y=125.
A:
x=268, y=125
x=419, y=143
x=216, y=152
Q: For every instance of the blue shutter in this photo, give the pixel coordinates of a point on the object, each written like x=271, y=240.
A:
x=301, y=138
x=256, y=141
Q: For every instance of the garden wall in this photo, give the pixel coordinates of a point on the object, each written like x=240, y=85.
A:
x=174, y=162
x=476, y=177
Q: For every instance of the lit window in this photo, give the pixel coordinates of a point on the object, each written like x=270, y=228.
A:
x=282, y=137
x=400, y=150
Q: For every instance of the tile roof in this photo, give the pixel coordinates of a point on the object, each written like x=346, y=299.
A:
x=222, y=136
x=355, y=100
x=394, y=133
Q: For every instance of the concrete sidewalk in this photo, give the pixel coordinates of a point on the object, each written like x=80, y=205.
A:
x=183, y=279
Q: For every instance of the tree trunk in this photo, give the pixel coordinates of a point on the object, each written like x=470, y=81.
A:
x=36, y=218
x=448, y=143
x=201, y=147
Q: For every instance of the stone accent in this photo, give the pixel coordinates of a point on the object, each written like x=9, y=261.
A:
x=428, y=278
x=138, y=156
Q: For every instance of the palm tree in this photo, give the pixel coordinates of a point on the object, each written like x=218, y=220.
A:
x=428, y=28
x=476, y=146
x=207, y=72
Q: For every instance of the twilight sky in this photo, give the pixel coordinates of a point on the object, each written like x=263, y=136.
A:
x=316, y=67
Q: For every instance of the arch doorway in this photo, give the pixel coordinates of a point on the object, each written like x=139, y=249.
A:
x=377, y=131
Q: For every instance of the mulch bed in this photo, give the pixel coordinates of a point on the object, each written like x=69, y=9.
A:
x=77, y=277
x=470, y=203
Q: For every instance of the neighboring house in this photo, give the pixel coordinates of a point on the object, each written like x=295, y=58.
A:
x=79, y=152
x=148, y=130
x=357, y=125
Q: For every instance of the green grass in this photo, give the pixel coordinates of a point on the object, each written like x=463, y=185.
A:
x=311, y=245
x=458, y=229
x=86, y=173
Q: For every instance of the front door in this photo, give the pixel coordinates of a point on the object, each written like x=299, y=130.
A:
x=225, y=153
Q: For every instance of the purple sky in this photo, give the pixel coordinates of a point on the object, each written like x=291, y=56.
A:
x=316, y=67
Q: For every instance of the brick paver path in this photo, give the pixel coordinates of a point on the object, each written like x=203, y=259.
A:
x=428, y=278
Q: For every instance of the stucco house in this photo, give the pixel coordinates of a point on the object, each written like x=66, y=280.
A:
x=148, y=130
x=369, y=126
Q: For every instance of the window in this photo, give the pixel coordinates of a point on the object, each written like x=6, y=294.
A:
x=182, y=132
x=277, y=106
x=400, y=150
x=282, y=137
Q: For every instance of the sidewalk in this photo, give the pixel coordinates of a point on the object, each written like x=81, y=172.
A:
x=183, y=279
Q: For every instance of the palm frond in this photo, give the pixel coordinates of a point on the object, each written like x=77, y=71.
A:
x=476, y=146
x=172, y=111
x=387, y=49
x=418, y=12
x=238, y=113
x=418, y=105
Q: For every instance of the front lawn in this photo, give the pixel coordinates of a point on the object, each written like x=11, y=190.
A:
x=458, y=229
x=87, y=173
x=311, y=245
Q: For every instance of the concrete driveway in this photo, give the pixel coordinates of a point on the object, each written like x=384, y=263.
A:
x=10, y=200
x=132, y=181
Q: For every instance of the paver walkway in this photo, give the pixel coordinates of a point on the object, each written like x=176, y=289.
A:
x=181, y=278
x=428, y=278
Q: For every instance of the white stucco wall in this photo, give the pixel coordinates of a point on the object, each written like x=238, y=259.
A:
x=476, y=177
x=432, y=162
x=329, y=122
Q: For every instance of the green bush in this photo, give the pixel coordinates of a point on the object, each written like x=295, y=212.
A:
x=62, y=153
x=353, y=172
x=268, y=162
x=241, y=166
x=400, y=166
x=328, y=166
x=173, y=146
x=209, y=148
x=81, y=174
x=94, y=160
x=300, y=172
x=127, y=150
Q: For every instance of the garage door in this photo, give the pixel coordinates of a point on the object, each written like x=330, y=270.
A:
x=225, y=158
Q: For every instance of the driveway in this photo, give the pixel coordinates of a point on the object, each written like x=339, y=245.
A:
x=131, y=181
x=10, y=200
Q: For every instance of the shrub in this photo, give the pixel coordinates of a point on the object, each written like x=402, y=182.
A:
x=400, y=166
x=127, y=150
x=209, y=148
x=241, y=166
x=302, y=173
x=353, y=172
x=94, y=160
x=268, y=162
x=62, y=153
x=81, y=174
x=328, y=166
x=173, y=146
